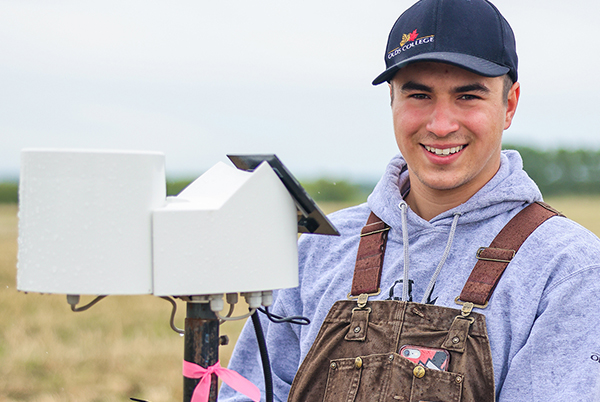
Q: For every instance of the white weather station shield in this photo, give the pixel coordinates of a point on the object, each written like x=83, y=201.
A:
x=99, y=223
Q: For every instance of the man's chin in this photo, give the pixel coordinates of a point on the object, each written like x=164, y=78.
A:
x=443, y=184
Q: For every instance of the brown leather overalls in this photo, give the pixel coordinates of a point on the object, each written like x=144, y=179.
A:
x=355, y=355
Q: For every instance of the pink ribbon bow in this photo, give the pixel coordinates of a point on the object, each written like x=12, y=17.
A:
x=229, y=377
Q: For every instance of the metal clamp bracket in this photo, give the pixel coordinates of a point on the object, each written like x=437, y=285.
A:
x=363, y=298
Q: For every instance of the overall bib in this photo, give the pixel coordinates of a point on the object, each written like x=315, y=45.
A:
x=355, y=356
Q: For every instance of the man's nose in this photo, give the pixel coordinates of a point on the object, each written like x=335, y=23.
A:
x=442, y=120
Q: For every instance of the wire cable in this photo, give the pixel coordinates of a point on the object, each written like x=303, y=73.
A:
x=173, y=312
x=264, y=357
x=87, y=306
x=295, y=319
x=239, y=317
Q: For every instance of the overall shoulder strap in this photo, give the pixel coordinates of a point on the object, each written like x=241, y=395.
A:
x=369, y=259
x=493, y=260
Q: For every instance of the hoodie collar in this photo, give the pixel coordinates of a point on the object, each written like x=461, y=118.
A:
x=510, y=188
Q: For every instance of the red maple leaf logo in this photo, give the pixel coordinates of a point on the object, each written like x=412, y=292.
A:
x=413, y=35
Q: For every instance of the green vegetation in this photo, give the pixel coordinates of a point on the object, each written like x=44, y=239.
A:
x=321, y=190
x=561, y=172
x=174, y=187
x=329, y=190
x=557, y=172
x=9, y=192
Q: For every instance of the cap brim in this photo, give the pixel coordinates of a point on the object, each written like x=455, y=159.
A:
x=470, y=63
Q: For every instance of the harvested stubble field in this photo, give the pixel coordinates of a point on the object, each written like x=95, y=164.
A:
x=123, y=347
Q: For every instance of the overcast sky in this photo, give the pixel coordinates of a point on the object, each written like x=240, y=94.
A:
x=200, y=79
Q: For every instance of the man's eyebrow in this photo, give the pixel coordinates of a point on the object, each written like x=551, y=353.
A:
x=415, y=86
x=476, y=87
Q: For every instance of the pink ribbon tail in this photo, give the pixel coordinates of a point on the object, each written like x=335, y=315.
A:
x=229, y=377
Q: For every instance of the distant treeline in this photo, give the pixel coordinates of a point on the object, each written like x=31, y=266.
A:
x=9, y=192
x=338, y=190
x=556, y=172
x=561, y=171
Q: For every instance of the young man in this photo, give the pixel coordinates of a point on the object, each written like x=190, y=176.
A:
x=452, y=71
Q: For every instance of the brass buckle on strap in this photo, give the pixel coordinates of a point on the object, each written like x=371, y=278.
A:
x=481, y=249
x=363, y=298
x=467, y=307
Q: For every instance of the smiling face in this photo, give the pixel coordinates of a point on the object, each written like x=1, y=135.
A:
x=448, y=124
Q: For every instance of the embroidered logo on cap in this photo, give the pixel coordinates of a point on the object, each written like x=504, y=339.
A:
x=409, y=37
x=409, y=41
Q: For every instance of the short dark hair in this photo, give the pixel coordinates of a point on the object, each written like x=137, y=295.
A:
x=508, y=83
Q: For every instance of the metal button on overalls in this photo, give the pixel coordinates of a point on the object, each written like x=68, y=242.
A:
x=419, y=371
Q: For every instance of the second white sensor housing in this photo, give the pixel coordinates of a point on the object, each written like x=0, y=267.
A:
x=228, y=231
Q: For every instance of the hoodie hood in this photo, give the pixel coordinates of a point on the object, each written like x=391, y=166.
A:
x=510, y=188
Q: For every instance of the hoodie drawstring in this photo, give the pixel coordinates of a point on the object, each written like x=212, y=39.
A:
x=403, y=207
x=442, y=261
x=403, y=212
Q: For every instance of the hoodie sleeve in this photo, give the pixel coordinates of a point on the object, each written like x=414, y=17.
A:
x=561, y=359
x=284, y=355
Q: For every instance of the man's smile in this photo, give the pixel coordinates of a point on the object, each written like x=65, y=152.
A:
x=444, y=151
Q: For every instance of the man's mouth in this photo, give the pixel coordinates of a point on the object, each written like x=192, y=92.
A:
x=444, y=151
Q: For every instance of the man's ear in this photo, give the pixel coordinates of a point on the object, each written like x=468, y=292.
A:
x=391, y=92
x=511, y=104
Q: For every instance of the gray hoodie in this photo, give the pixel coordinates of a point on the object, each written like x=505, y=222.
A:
x=543, y=319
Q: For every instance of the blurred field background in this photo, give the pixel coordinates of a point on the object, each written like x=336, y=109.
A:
x=122, y=347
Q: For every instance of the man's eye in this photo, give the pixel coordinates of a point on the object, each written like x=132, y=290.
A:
x=468, y=97
x=419, y=96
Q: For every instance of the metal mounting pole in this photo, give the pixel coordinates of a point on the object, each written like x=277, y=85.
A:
x=201, y=345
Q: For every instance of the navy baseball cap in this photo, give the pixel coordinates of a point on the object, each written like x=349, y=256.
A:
x=471, y=34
